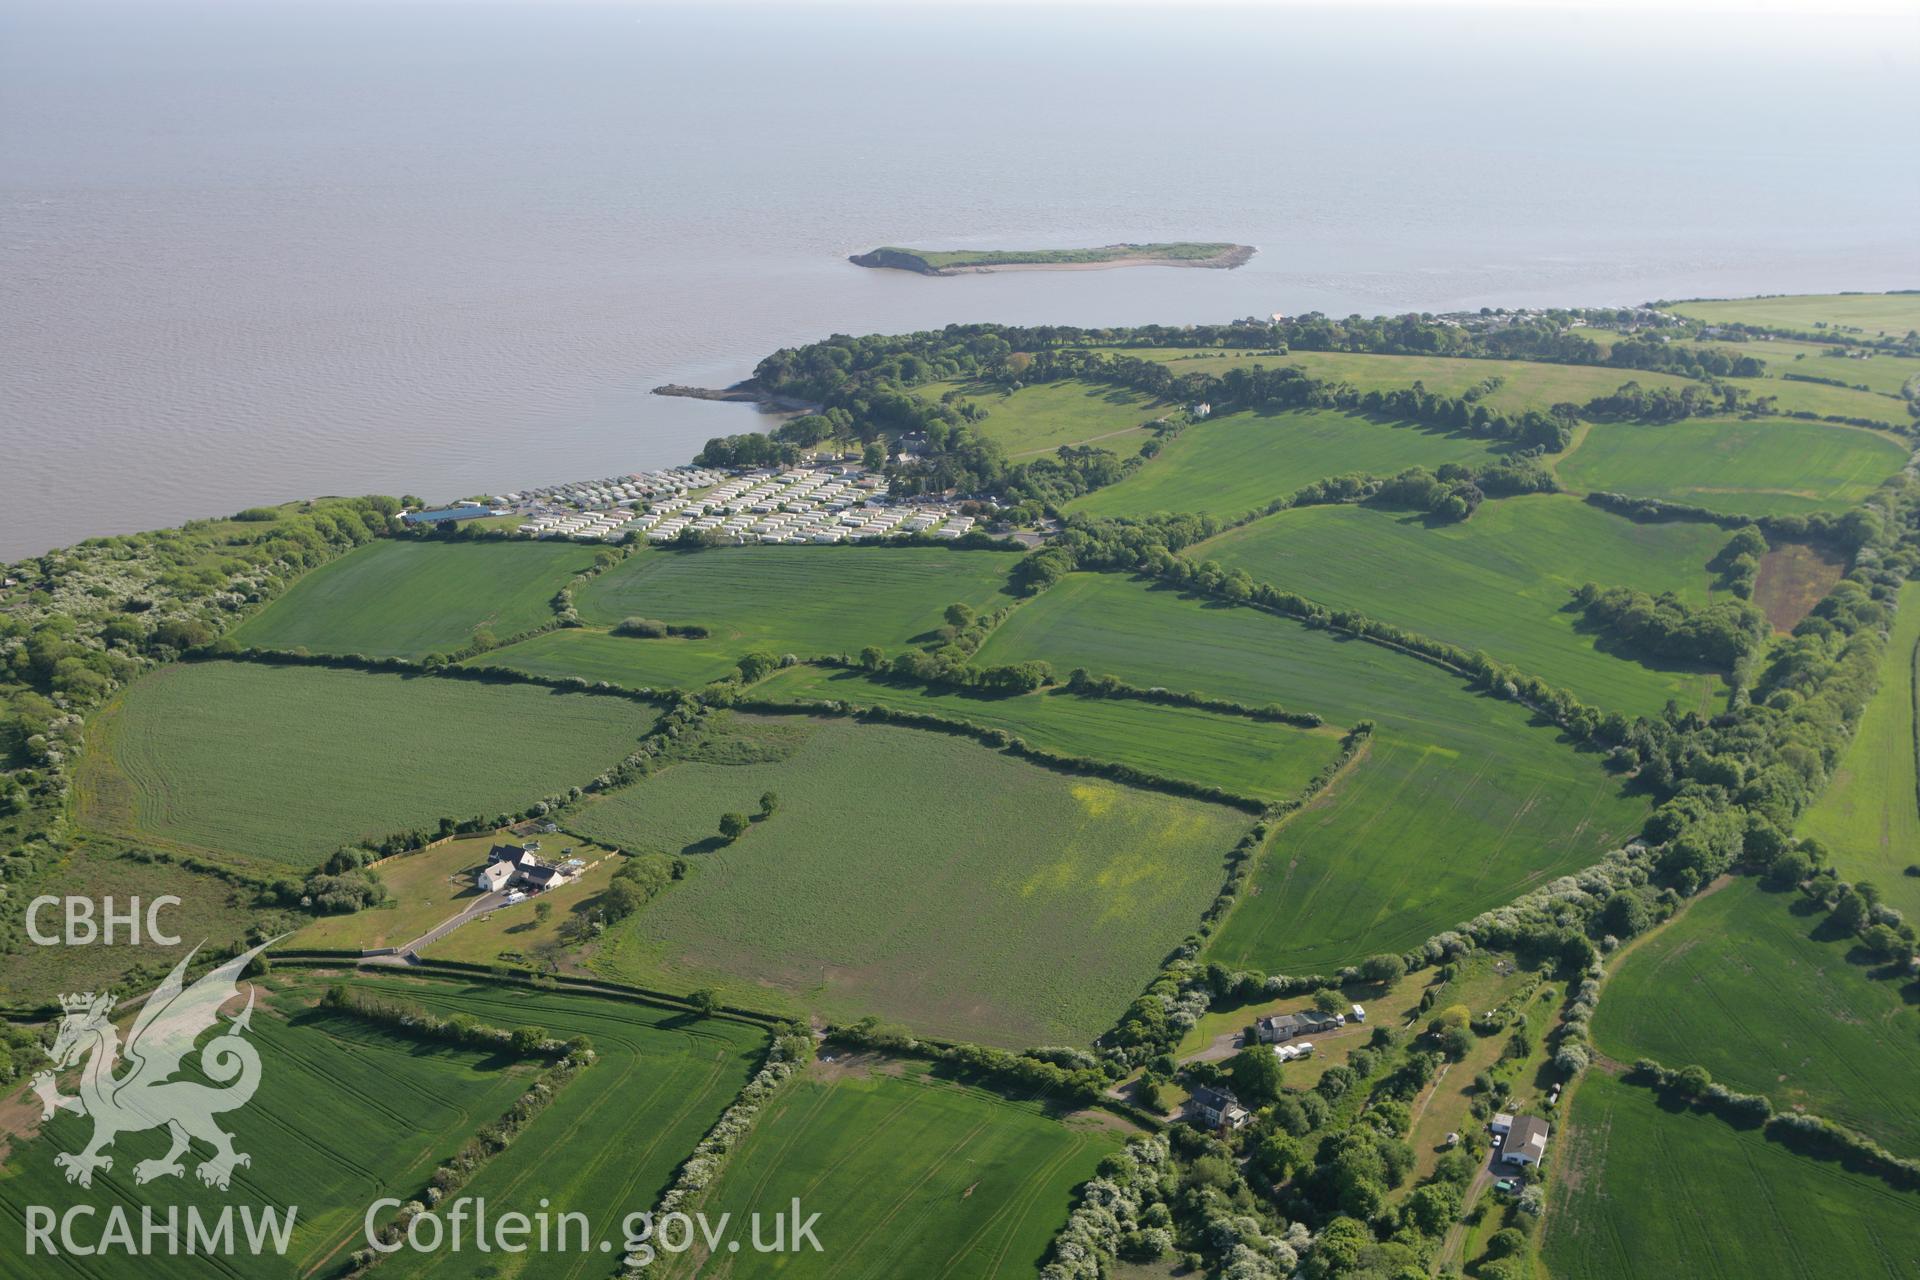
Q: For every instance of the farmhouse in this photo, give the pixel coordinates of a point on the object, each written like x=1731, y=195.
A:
x=1526, y=1141
x=1218, y=1108
x=1285, y=1026
x=514, y=865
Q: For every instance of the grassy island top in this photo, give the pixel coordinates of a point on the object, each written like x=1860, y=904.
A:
x=951, y=262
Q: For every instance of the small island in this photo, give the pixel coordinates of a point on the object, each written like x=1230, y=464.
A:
x=953, y=262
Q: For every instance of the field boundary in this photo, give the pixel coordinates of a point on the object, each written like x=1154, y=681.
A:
x=1803, y=1133
x=424, y=968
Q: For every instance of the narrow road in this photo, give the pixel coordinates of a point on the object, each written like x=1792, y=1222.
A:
x=480, y=906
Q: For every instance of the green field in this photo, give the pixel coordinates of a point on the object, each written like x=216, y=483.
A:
x=1421, y=836
x=609, y=1144
x=1232, y=464
x=283, y=764
x=1869, y=815
x=406, y=599
x=1255, y=758
x=1524, y=384
x=1791, y=396
x=1879, y=372
x=1500, y=582
x=1046, y=415
x=917, y=876
x=345, y=1113
x=1763, y=466
x=803, y=600
x=1459, y=805
x=1886, y=375
x=1747, y=985
x=1642, y=1191
x=631, y=663
x=913, y=1176
x=1892, y=314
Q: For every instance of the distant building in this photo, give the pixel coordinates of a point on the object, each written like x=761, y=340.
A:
x=442, y=515
x=1285, y=1026
x=1526, y=1141
x=1218, y=1108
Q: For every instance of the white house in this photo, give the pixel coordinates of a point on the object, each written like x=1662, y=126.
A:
x=1526, y=1142
x=520, y=867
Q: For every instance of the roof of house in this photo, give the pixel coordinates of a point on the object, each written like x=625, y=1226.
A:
x=542, y=874
x=1529, y=1134
x=519, y=855
x=1212, y=1099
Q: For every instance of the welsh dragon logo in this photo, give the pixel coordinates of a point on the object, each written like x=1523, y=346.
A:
x=145, y=1096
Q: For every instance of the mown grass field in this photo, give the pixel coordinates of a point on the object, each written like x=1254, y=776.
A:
x=1256, y=758
x=516, y=934
x=1046, y=415
x=1640, y=1190
x=1763, y=466
x=804, y=600
x=424, y=888
x=609, y=1144
x=912, y=1176
x=283, y=764
x=1892, y=314
x=1460, y=803
x=433, y=885
x=1747, y=984
x=917, y=876
x=1446, y=1105
x=1500, y=582
x=345, y=1113
x=1869, y=815
x=406, y=599
x=1524, y=384
x=1237, y=462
